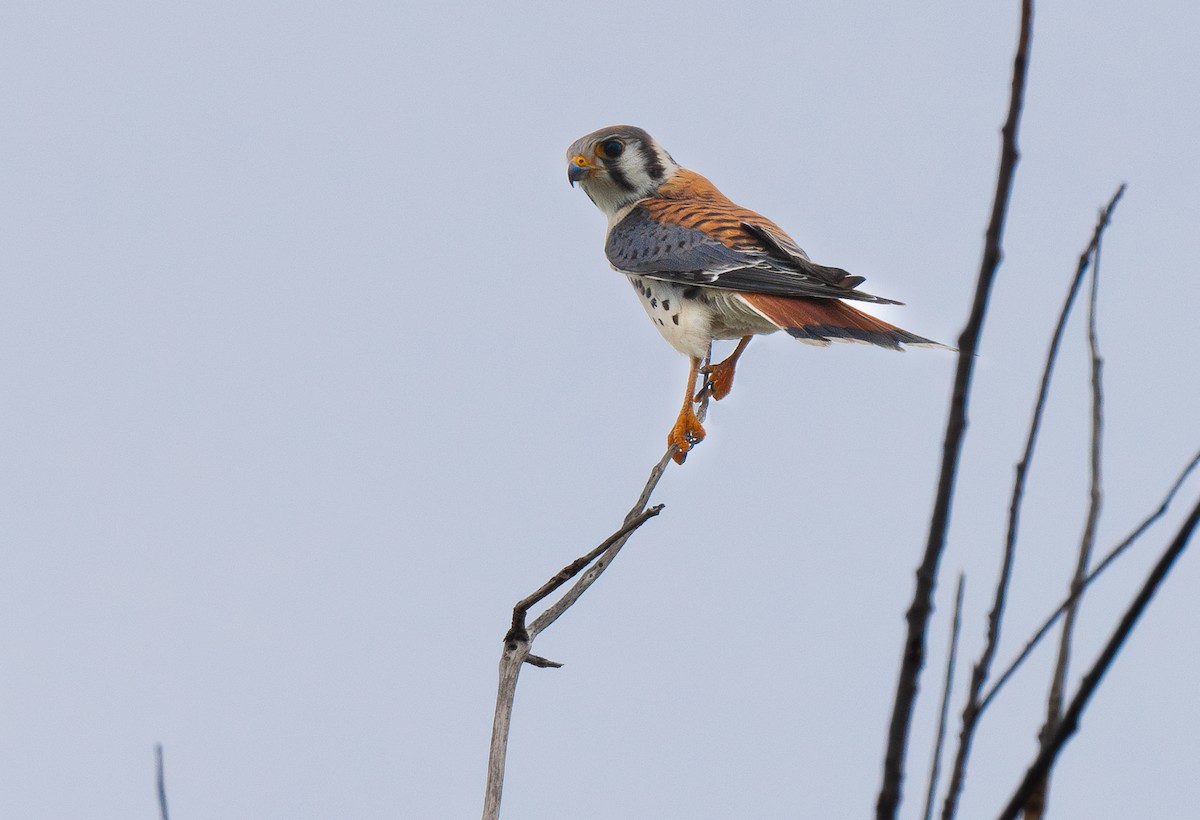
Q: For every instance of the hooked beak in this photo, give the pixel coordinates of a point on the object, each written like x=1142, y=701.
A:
x=579, y=169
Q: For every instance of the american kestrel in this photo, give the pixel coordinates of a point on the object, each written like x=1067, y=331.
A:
x=705, y=268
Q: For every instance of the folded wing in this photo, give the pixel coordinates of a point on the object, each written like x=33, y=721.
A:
x=718, y=244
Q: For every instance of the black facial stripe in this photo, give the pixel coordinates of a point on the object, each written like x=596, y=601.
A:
x=654, y=166
x=622, y=181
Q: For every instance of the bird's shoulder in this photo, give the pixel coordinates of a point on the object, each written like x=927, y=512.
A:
x=689, y=200
x=688, y=231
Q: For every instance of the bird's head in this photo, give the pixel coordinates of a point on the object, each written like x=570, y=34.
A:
x=618, y=165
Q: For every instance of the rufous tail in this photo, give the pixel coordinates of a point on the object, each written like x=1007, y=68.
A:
x=821, y=321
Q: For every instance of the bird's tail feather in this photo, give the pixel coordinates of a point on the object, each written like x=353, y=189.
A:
x=821, y=321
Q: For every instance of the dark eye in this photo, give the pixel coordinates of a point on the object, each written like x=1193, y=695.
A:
x=610, y=149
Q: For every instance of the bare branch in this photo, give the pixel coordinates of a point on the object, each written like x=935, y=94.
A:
x=161, y=780
x=511, y=661
x=947, y=688
x=956, y=424
x=519, y=640
x=554, y=611
x=615, y=542
x=1141, y=528
x=542, y=663
x=1113, y=554
x=982, y=668
x=1035, y=807
x=1069, y=724
x=518, y=631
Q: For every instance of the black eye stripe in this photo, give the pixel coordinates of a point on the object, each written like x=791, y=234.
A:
x=622, y=181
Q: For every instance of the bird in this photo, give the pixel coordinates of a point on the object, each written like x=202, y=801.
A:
x=705, y=268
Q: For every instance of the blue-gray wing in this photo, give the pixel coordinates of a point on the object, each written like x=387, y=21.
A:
x=760, y=261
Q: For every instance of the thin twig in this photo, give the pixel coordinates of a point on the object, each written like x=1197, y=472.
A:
x=542, y=663
x=1141, y=528
x=1113, y=554
x=517, y=645
x=947, y=688
x=1035, y=806
x=519, y=640
x=518, y=631
x=555, y=610
x=982, y=667
x=161, y=780
x=1069, y=724
x=956, y=424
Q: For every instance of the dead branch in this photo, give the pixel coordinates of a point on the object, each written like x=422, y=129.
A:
x=982, y=667
x=161, y=780
x=944, y=712
x=1035, y=807
x=1069, y=724
x=518, y=632
x=1113, y=554
x=956, y=424
x=519, y=639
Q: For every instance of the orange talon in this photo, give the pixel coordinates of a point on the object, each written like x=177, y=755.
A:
x=686, y=433
x=719, y=379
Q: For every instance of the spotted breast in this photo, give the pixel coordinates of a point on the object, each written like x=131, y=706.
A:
x=689, y=316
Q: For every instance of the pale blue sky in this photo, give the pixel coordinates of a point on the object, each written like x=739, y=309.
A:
x=313, y=366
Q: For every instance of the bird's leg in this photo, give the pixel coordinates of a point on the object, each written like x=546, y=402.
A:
x=719, y=378
x=687, y=431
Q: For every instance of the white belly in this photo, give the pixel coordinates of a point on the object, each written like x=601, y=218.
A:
x=690, y=317
x=686, y=323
